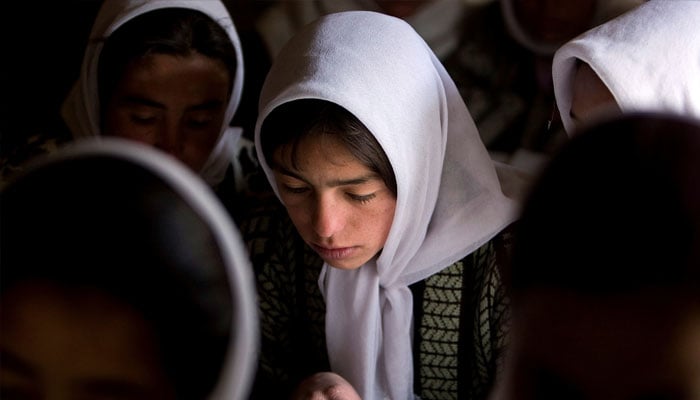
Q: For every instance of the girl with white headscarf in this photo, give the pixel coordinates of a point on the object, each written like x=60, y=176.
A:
x=647, y=59
x=421, y=316
x=111, y=54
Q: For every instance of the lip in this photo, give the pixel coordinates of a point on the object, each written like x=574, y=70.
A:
x=334, y=253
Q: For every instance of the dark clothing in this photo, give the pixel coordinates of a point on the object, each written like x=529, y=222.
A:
x=460, y=315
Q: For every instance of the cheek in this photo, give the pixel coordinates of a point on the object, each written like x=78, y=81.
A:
x=300, y=215
x=199, y=145
x=387, y=219
x=380, y=220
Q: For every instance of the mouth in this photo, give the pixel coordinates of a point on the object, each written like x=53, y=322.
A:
x=334, y=253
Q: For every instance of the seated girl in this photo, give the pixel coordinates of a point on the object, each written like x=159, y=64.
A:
x=387, y=283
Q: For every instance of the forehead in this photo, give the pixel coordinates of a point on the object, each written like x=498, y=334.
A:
x=194, y=73
x=312, y=150
x=45, y=324
x=81, y=310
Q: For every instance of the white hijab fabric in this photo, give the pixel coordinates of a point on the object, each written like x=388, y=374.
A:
x=81, y=108
x=649, y=58
x=237, y=372
x=449, y=199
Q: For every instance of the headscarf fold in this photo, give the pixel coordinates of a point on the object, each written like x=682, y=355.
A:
x=81, y=109
x=449, y=198
x=649, y=58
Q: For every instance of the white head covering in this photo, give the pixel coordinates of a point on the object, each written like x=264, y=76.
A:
x=81, y=108
x=649, y=58
x=239, y=365
x=449, y=198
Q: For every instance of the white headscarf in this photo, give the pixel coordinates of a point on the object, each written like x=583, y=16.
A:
x=81, y=108
x=449, y=198
x=649, y=58
x=236, y=375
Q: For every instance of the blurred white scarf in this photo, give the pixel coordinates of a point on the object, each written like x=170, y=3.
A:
x=238, y=370
x=449, y=197
x=649, y=58
x=81, y=108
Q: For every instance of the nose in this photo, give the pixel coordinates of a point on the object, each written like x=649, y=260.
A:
x=170, y=139
x=328, y=217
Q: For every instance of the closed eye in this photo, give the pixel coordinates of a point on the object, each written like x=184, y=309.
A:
x=295, y=189
x=143, y=119
x=362, y=198
x=200, y=119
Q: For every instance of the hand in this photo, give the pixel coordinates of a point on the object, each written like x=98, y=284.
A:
x=325, y=386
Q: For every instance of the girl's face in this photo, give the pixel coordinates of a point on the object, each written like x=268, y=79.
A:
x=554, y=21
x=340, y=207
x=176, y=104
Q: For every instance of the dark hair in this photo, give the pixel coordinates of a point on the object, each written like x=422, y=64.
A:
x=287, y=124
x=172, y=31
x=616, y=210
x=100, y=222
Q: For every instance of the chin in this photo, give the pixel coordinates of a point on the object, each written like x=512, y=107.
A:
x=348, y=266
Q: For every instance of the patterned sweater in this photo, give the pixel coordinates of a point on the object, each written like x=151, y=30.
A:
x=460, y=315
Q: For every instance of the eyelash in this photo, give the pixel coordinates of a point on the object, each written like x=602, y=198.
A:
x=295, y=190
x=142, y=119
x=362, y=199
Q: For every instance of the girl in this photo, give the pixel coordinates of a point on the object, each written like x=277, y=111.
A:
x=403, y=216
x=168, y=74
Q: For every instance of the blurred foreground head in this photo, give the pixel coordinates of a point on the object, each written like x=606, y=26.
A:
x=121, y=277
x=605, y=278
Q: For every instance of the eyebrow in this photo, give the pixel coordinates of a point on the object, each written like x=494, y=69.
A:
x=334, y=183
x=141, y=101
x=13, y=362
x=207, y=105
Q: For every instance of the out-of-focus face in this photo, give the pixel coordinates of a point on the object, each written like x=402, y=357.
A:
x=554, y=21
x=637, y=347
x=401, y=8
x=57, y=344
x=590, y=96
x=174, y=103
x=341, y=208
